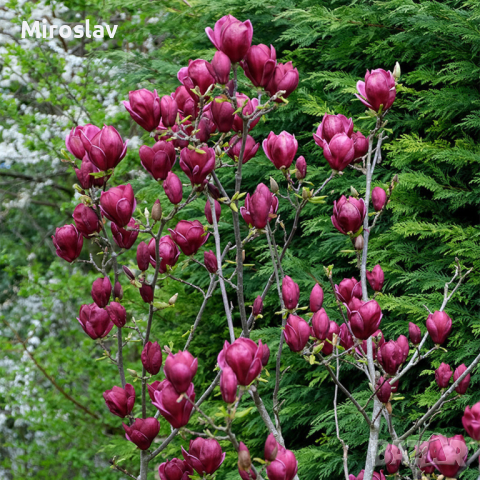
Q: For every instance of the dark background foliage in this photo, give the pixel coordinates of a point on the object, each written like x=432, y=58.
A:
x=431, y=219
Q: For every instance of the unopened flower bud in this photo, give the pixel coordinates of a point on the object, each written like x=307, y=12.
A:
x=143, y=256
x=396, y=71
x=210, y=261
x=244, y=461
x=213, y=190
x=101, y=291
x=173, y=299
x=118, y=291
x=290, y=293
x=147, y=293
x=257, y=306
x=152, y=357
x=300, y=168
x=157, y=211
x=128, y=273
x=271, y=448
x=273, y=185
x=359, y=242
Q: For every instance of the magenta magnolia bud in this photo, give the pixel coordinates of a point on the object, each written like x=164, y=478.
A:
x=68, y=242
x=348, y=214
x=204, y=455
x=169, y=109
x=259, y=207
x=208, y=211
x=118, y=204
x=143, y=256
x=316, y=298
x=366, y=319
x=118, y=291
x=86, y=220
x=339, y=152
x=210, y=261
x=333, y=328
x=249, y=106
x=106, y=149
x=221, y=66
x=414, y=333
x=152, y=357
x=180, y=369
x=235, y=146
x=168, y=252
x=189, y=236
x=197, y=165
x=173, y=188
x=94, y=321
x=231, y=36
x=402, y=342
x=206, y=127
x=222, y=114
x=213, y=191
x=300, y=168
x=280, y=149
x=101, y=291
x=439, y=326
x=377, y=89
x=290, y=293
x=346, y=339
x=389, y=355
x=200, y=74
x=128, y=273
x=125, y=238
x=471, y=421
x=120, y=401
x=186, y=104
x=158, y=160
x=84, y=178
x=393, y=458
x=383, y=390
x=379, y=197
x=462, y=387
x=144, y=108
x=146, y=292
x=143, y=432
x=257, y=306
x=271, y=448
x=244, y=357
x=245, y=463
x=74, y=143
x=360, y=143
x=259, y=64
x=228, y=385
x=117, y=314
x=284, y=77
x=330, y=126
x=265, y=355
x=376, y=278
x=177, y=413
x=320, y=324
x=297, y=332
x=443, y=374
x=175, y=469
x=347, y=289
x=284, y=467
x=448, y=455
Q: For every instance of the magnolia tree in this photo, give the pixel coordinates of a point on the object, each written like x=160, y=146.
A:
x=207, y=123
